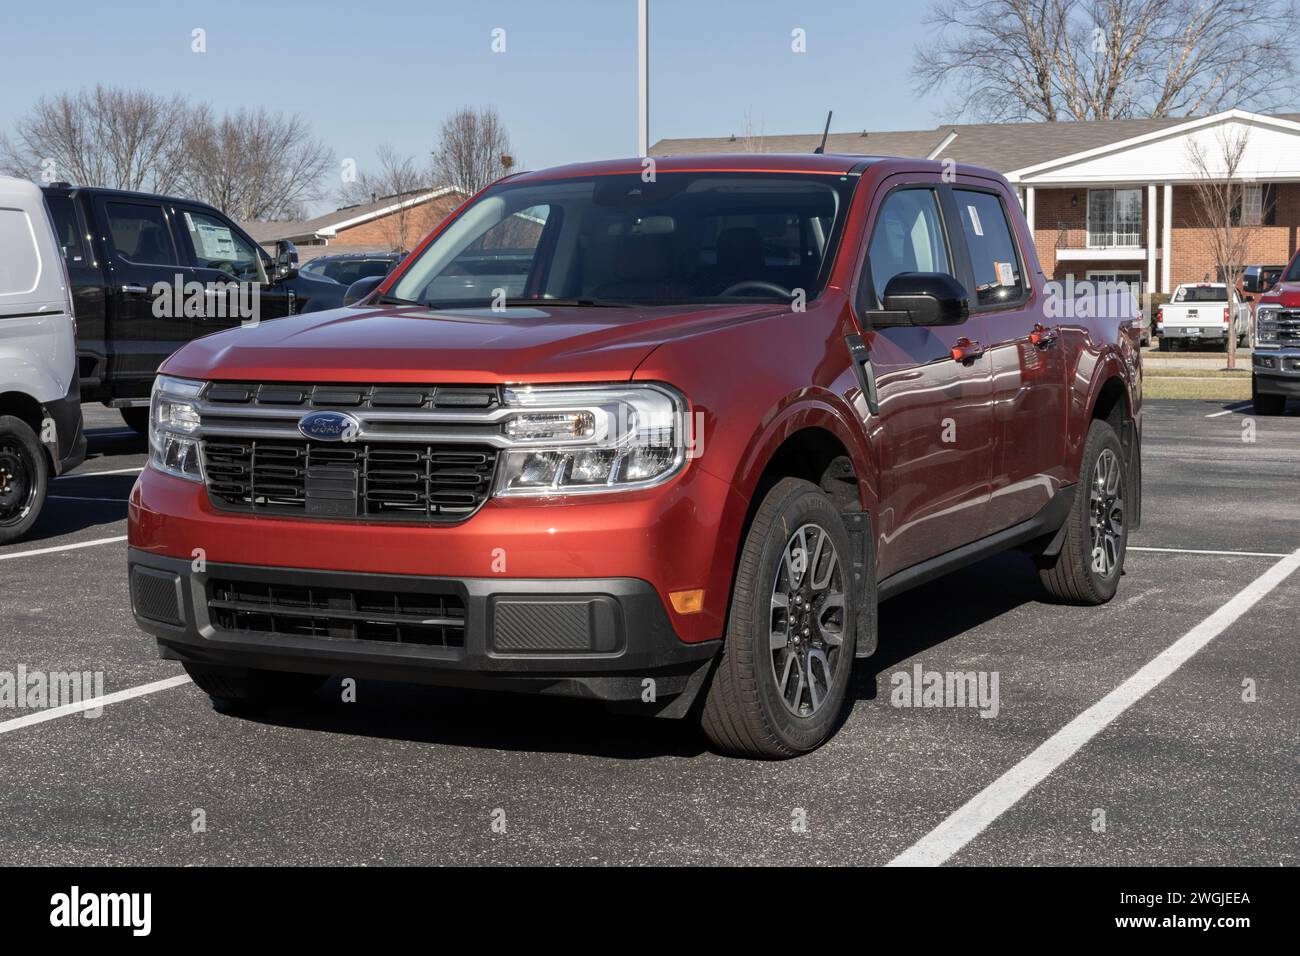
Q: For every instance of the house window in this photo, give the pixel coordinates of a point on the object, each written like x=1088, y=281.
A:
x=1257, y=205
x=1114, y=218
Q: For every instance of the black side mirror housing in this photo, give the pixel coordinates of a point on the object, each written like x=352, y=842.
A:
x=927, y=298
x=361, y=288
x=1253, y=279
x=286, y=260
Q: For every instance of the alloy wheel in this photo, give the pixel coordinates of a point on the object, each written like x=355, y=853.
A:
x=1106, y=512
x=807, y=620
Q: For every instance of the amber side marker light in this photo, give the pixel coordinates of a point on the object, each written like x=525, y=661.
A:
x=687, y=602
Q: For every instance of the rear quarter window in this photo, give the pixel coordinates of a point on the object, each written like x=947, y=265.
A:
x=20, y=260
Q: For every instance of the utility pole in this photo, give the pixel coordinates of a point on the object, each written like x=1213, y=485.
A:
x=643, y=76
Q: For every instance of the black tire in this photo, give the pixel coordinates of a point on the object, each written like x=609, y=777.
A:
x=745, y=712
x=1265, y=404
x=137, y=419
x=1072, y=576
x=233, y=688
x=24, y=478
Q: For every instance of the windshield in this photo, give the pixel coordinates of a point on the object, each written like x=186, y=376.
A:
x=686, y=237
x=1202, y=293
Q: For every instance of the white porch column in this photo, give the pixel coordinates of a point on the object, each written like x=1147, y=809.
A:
x=1167, y=240
x=1151, y=238
x=1029, y=208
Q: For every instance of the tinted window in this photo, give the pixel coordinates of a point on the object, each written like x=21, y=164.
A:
x=217, y=246
x=64, y=216
x=993, y=255
x=682, y=237
x=140, y=233
x=1202, y=293
x=908, y=237
x=348, y=271
x=20, y=262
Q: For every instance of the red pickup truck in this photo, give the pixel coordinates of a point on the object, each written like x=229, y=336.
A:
x=662, y=435
x=1275, y=358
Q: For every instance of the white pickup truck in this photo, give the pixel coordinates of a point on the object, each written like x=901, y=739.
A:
x=1201, y=312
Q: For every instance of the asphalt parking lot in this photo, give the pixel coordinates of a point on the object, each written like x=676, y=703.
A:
x=1189, y=774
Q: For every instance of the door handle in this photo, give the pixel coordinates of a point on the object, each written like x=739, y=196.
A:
x=966, y=351
x=1042, y=335
x=135, y=290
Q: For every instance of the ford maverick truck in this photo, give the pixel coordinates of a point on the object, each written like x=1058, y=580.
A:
x=660, y=437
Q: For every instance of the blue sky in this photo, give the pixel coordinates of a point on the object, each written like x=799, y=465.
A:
x=390, y=70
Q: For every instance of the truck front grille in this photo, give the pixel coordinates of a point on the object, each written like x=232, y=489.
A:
x=1288, y=328
x=422, y=452
x=388, y=482
x=402, y=617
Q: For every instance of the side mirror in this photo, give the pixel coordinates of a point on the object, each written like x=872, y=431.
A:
x=927, y=298
x=286, y=260
x=361, y=288
x=1253, y=279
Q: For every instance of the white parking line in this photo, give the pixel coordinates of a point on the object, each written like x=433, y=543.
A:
x=1239, y=407
x=93, y=703
x=62, y=547
x=1243, y=554
x=91, y=474
x=1002, y=794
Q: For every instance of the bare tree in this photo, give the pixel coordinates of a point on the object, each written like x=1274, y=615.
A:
x=1221, y=210
x=254, y=164
x=401, y=179
x=119, y=138
x=472, y=144
x=1013, y=60
x=750, y=141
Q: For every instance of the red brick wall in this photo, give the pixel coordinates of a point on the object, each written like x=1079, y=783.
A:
x=390, y=233
x=1057, y=224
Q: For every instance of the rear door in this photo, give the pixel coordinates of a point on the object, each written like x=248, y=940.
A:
x=89, y=292
x=140, y=252
x=1026, y=357
x=933, y=435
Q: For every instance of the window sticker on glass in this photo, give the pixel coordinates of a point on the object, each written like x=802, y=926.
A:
x=215, y=242
x=1006, y=272
x=975, y=220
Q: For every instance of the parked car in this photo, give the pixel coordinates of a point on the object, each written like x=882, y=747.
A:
x=1275, y=361
x=679, y=444
x=346, y=268
x=41, y=432
x=119, y=246
x=1202, y=312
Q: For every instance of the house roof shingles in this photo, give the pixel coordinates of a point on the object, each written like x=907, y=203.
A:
x=998, y=146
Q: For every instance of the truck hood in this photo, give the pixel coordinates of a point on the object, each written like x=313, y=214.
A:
x=414, y=344
x=1286, y=294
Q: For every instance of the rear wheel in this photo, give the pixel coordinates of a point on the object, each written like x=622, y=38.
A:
x=137, y=419
x=1265, y=404
x=781, y=682
x=24, y=472
x=1088, y=567
x=241, y=687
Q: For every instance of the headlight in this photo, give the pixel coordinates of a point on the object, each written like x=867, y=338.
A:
x=173, y=418
x=1265, y=324
x=581, y=440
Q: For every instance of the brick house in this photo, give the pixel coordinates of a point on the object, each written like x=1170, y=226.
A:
x=387, y=224
x=1108, y=200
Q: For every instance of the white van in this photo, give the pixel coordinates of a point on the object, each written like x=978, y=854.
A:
x=40, y=402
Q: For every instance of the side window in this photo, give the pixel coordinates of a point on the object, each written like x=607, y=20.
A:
x=500, y=258
x=64, y=216
x=217, y=246
x=20, y=260
x=993, y=255
x=908, y=237
x=140, y=233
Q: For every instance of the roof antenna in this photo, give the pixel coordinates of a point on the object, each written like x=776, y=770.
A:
x=822, y=148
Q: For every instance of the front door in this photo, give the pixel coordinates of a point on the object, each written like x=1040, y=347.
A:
x=932, y=436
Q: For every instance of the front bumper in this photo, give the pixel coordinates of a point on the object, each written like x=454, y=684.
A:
x=603, y=638
x=1276, y=371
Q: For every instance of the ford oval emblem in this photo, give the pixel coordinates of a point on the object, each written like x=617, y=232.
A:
x=329, y=426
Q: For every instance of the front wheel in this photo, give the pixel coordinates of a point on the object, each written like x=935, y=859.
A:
x=137, y=419
x=24, y=473
x=1087, y=569
x=781, y=682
